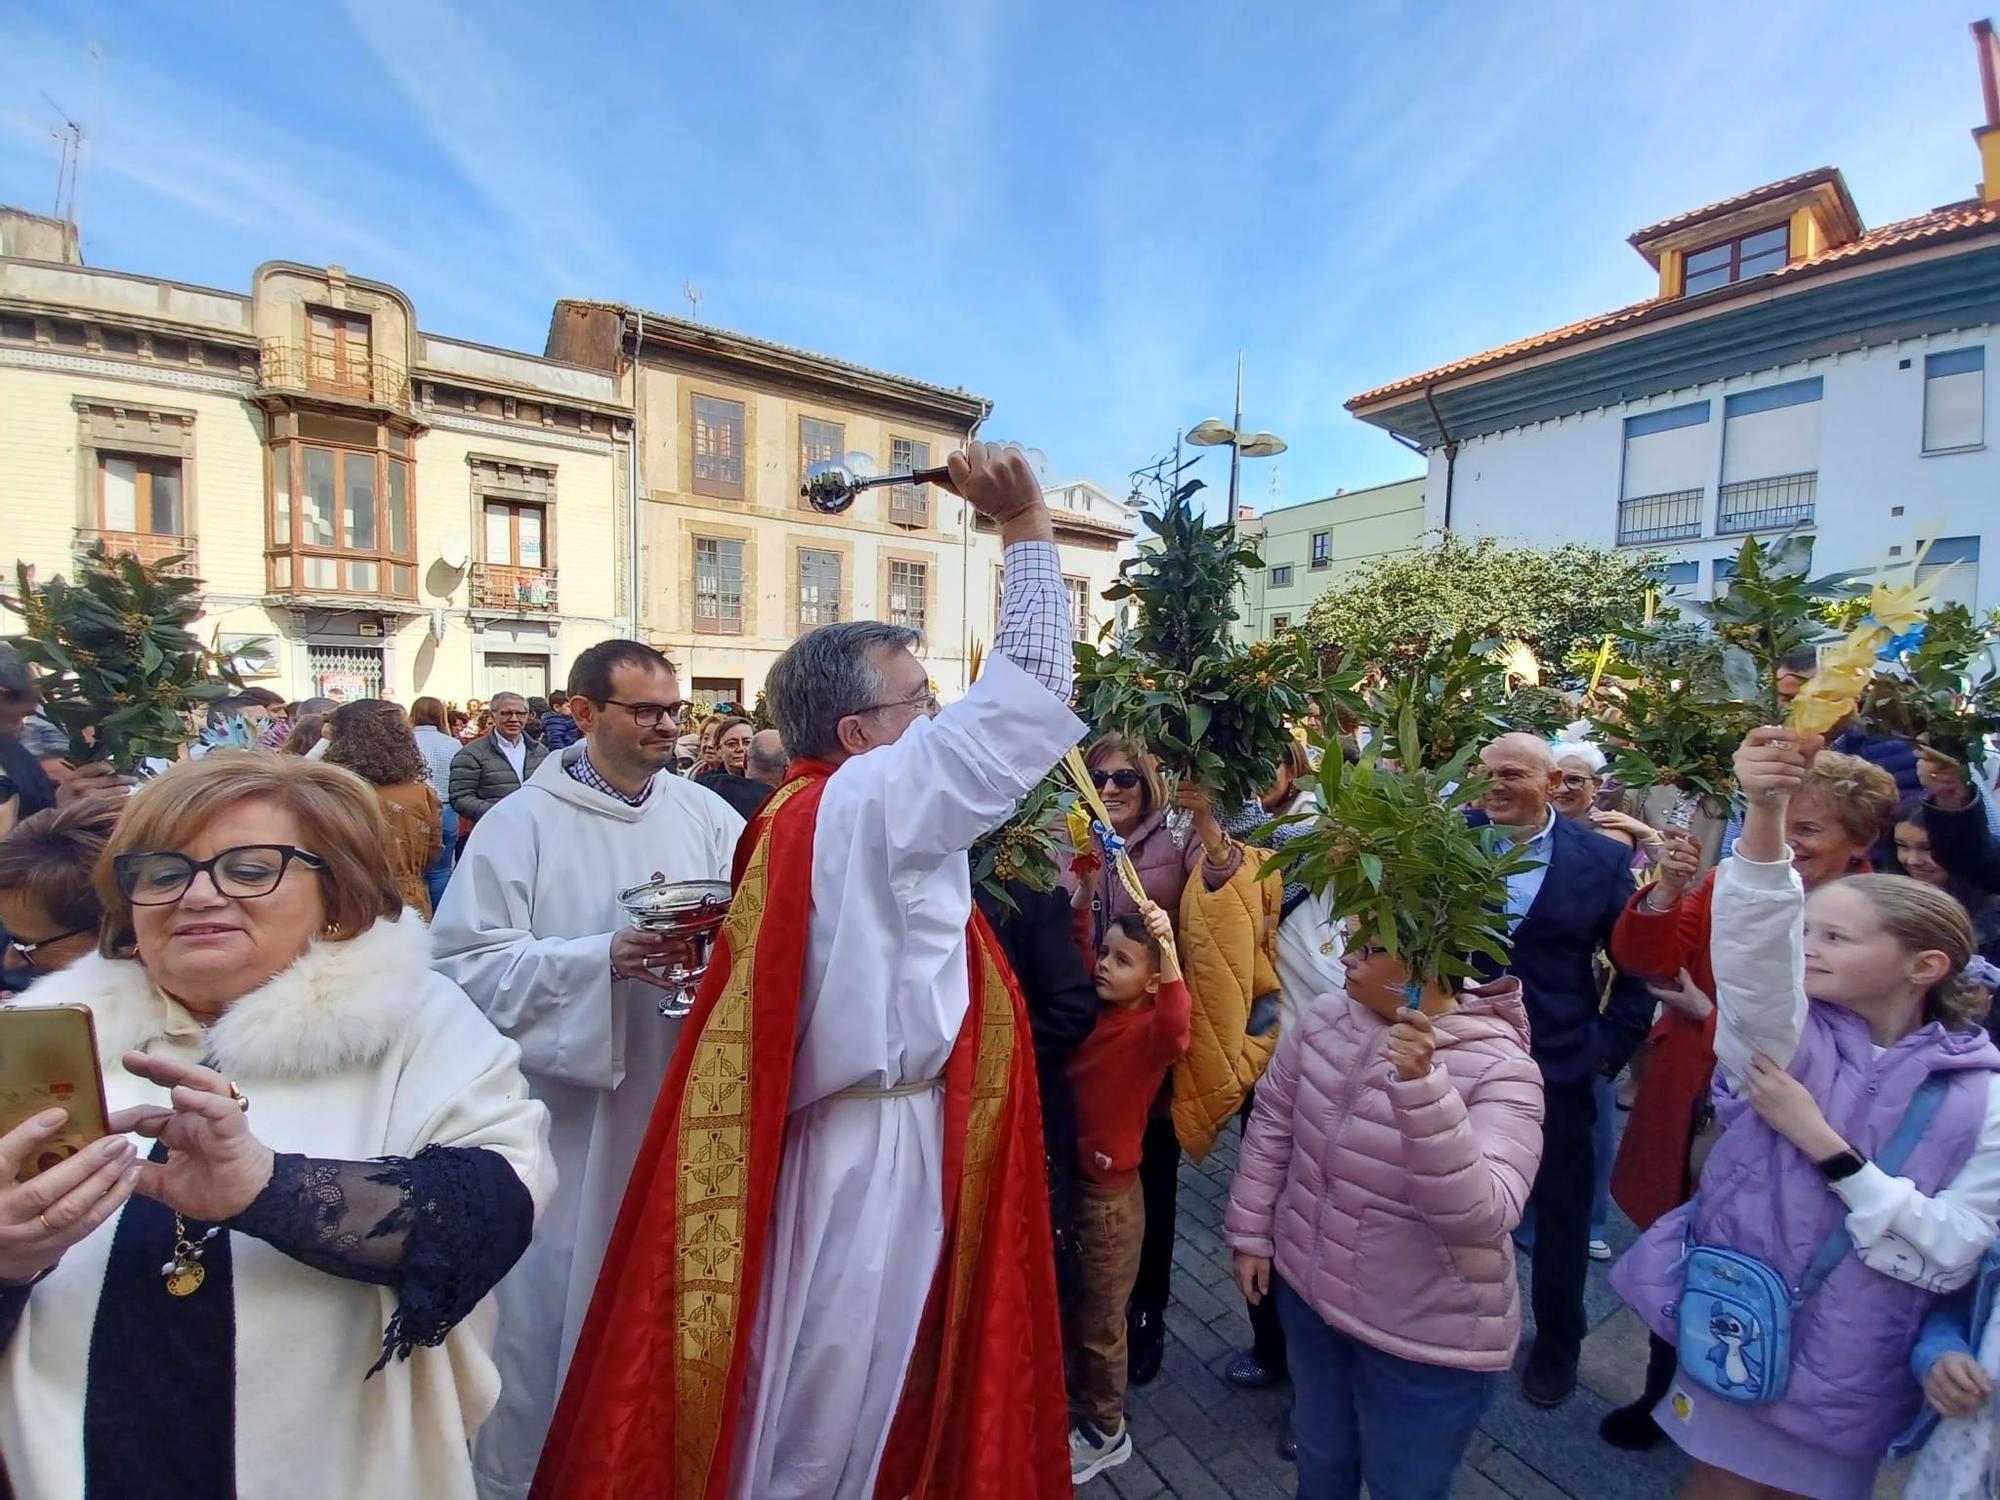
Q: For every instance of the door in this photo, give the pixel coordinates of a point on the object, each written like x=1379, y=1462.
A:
x=517, y=672
x=345, y=673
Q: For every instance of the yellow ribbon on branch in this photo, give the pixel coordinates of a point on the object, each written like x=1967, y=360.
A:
x=1844, y=669
x=1080, y=827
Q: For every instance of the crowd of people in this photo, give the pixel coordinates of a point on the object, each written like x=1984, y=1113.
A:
x=414, y=1185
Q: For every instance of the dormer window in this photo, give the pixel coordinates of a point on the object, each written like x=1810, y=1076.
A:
x=1738, y=259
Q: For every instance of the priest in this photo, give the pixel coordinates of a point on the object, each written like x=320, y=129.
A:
x=531, y=928
x=832, y=1277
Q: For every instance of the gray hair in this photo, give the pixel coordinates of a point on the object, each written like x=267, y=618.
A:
x=1582, y=750
x=765, y=758
x=506, y=697
x=826, y=675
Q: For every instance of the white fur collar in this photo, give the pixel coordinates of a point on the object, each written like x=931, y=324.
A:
x=339, y=1005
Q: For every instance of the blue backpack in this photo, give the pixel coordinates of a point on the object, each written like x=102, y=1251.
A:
x=1735, y=1312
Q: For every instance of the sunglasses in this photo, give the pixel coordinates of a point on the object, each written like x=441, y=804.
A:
x=1124, y=780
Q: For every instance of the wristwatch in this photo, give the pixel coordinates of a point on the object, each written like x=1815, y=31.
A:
x=1841, y=1165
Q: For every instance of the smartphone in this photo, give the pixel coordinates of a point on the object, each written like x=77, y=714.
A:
x=48, y=1059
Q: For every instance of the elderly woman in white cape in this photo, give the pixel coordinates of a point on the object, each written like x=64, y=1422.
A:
x=269, y=1278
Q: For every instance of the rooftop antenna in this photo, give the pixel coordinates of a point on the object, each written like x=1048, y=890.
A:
x=69, y=159
x=691, y=294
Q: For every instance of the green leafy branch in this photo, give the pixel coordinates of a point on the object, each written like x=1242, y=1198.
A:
x=1214, y=711
x=1392, y=852
x=118, y=666
x=1029, y=847
x=1945, y=692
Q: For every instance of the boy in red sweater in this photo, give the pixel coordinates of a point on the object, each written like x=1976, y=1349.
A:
x=1142, y=1029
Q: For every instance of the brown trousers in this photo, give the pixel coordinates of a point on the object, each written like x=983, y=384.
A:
x=1110, y=1223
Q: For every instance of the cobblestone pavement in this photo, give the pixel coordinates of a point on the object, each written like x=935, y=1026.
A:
x=1200, y=1438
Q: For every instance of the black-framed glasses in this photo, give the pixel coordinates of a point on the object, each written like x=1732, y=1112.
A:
x=648, y=715
x=160, y=877
x=1124, y=779
x=29, y=950
x=1576, y=781
x=925, y=702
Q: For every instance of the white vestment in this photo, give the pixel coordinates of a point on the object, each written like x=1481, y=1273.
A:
x=526, y=927
x=857, y=1220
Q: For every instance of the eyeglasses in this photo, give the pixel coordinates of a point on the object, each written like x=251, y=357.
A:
x=161, y=877
x=1576, y=781
x=647, y=715
x=29, y=950
x=925, y=702
x=1124, y=779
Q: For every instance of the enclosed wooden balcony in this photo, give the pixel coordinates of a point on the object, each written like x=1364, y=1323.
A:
x=514, y=590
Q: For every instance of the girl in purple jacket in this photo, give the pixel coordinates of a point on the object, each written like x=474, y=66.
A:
x=1832, y=1013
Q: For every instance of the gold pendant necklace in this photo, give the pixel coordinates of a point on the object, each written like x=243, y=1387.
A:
x=185, y=1273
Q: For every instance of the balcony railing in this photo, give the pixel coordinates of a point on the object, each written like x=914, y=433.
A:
x=147, y=546
x=285, y=365
x=1671, y=517
x=1767, y=504
x=525, y=590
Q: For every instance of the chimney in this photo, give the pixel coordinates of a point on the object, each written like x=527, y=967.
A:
x=1988, y=134
x=33, y=237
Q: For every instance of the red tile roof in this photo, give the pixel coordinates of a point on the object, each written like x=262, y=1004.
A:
x=1955, y=221
x=1750, y=199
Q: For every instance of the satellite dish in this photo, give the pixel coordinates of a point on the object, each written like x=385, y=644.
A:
x=454, y=550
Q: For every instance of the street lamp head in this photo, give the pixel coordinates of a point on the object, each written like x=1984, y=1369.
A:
x=1261, y=445
x=1212, y=433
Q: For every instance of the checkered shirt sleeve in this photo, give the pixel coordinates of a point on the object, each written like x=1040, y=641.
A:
x=1034, y=631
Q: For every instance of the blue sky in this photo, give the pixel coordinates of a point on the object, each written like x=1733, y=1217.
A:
x=1080, y=210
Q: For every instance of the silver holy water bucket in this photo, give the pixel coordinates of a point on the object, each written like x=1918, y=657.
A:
x=691, y=910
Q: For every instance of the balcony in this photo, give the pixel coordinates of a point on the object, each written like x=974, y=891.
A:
x=1671, y=517
x=511, y=590
x=1767, y=504
x=289, y=366
x=147, y=546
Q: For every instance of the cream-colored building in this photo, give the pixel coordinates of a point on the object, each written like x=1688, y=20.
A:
x=377, y=509
x=733, y=565
x=371, y=508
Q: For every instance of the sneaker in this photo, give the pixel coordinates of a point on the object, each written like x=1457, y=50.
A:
x=1092, y=1452
x=1600, y=1249
x=1251, y=1373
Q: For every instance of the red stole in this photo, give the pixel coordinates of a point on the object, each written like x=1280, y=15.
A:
x=655, y=1390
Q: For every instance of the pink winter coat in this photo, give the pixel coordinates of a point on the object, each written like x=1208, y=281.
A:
x=1387, y=1204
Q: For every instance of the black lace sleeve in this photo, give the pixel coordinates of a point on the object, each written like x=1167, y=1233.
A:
x=441, y=1227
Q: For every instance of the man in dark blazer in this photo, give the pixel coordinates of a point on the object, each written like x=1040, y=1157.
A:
x=498, y=763
x=1563, y=910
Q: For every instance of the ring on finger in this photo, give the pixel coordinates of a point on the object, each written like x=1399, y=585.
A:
x=45, y=1222
x=242, y=1099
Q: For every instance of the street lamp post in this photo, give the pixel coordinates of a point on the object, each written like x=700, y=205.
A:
x=1213, y=434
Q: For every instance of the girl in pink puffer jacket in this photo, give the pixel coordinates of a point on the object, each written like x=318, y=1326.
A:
x=1386, y=1162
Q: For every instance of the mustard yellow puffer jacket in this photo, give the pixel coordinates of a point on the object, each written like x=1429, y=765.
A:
x=1228, y=951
